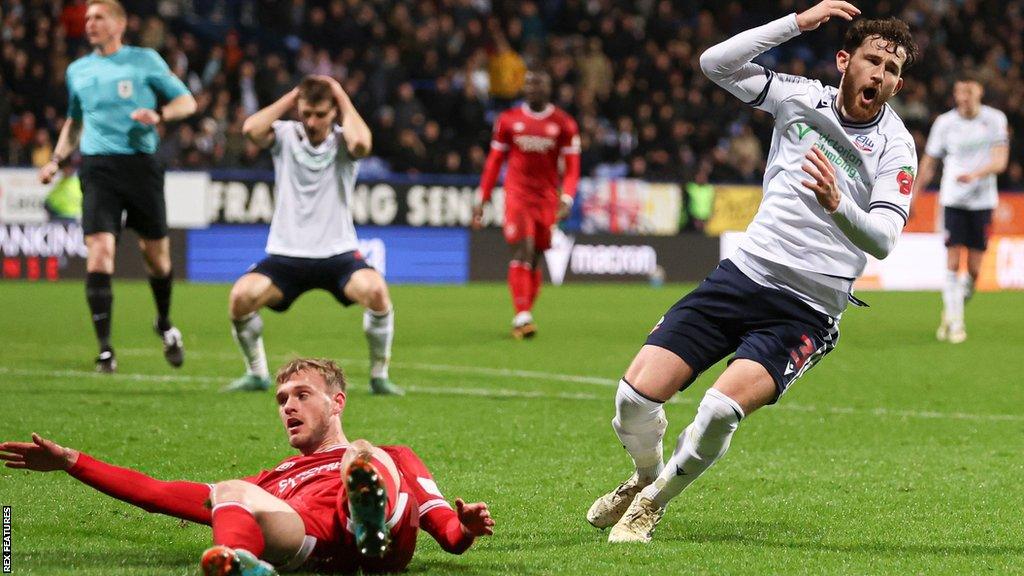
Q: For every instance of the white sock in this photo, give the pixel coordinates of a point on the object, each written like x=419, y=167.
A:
x=967, y=286
x=953, y=298
x=640, y=425
x=248, y=332
x=703, y=442
x=380, y=331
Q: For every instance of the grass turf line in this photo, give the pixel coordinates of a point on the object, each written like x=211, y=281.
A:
x=859, y=483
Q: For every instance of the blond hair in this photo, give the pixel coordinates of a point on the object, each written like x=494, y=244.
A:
x=330, y=371
x=113, y=5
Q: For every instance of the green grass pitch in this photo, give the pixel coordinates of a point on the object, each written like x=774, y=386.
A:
x=896, y=455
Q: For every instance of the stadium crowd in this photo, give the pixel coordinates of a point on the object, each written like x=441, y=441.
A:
x=431, y=75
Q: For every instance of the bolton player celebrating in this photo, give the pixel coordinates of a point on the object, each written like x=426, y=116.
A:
x=113, y=111
x=974, y=144
x=837, y=186
x=337, y=507
x=533, y=136
x=312, y=242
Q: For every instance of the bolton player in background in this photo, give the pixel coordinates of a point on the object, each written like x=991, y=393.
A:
x=837, y=186
x=973, y=143
x=112, y=116
x=338, y=507
x=312, y=242
x=533, y=137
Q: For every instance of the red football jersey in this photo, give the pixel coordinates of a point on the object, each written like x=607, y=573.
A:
x=534, y=142
x=311, y=486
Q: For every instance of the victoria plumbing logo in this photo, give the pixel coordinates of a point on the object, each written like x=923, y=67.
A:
x=597, y=259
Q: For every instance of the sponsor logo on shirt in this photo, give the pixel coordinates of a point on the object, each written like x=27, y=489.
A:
x=551, y=129
x=528, y=143
x=518, y=127
x=864, y=144
x=284, y=466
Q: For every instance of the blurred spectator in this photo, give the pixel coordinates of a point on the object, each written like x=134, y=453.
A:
x=628, y=71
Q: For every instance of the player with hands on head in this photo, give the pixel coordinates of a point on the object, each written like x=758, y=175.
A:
x=312, y=242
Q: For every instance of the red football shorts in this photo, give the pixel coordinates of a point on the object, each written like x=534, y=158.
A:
x=528, y=220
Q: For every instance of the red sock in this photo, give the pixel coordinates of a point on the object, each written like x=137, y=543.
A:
x=535, y=282
x=519, y=283
x=235, y=526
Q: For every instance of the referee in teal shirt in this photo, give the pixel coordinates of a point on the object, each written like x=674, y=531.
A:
x=112, y=115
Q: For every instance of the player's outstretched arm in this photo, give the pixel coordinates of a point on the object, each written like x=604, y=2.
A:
x=357, y=135
x=729, y=65
x=39, y=455
x=67, y=142
x=185, y=500
x=259, y=127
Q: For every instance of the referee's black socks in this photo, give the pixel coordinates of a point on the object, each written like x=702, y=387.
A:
x=101, y=299
x=162, y=296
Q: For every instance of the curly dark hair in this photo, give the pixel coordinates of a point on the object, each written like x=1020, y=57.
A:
x=894, y=30
x=330, y=371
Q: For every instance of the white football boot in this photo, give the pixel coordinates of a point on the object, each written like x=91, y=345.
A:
x=607, y=509
x=637, y=524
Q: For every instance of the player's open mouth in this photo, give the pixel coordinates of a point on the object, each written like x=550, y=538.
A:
x=869, y=95
x=293, y=424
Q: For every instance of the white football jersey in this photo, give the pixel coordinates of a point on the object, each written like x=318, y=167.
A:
x=875, y=164
x=965, y=145
x=313, y=194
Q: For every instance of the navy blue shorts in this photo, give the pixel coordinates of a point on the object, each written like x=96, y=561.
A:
x=968, y=228
x=729, y=313
x=296, y=276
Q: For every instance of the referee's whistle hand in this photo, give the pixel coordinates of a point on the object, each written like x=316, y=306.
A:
x=146, y=116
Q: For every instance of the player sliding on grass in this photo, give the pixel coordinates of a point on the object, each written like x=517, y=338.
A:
x=338, y=507
x=534, y=136
x=312, y=242
x=838, y=184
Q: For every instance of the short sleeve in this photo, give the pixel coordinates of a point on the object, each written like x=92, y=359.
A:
x=569, y=139
x=895, y=179
x=936, y=145
x=1001, y=134
x=501, y=139
x=419, y=480
x=160, y=78
x=74, y=104
x=282, y=131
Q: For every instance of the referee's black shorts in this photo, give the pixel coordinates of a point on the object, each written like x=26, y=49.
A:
x=123, y=189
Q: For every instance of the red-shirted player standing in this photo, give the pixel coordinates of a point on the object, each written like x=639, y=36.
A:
x=534, y=136
x=338, y=507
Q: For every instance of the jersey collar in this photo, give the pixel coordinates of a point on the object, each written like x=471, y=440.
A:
x=849, y=123
x=538, y=115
